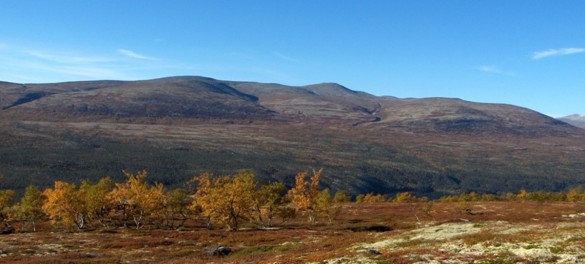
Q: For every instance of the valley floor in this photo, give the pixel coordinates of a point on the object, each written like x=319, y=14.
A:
x=464, y=232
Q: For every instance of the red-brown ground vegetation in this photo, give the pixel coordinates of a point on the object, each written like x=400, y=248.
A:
x=298, y=241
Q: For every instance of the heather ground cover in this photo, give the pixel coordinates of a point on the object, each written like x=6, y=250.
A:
x=449, y=232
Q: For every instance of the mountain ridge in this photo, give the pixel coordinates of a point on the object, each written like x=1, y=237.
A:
x=180, y=126
x=575, y=120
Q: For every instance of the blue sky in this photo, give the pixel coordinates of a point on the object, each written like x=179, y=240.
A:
x=528, y=53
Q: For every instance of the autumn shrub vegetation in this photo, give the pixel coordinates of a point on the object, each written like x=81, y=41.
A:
x=370, y=198
x=220, y=202
x=305, y=196
x=227, y=200
x=30, y=208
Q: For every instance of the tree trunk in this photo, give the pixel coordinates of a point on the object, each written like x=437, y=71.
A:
x=138, y=220
x=79, y=221
x=311, y=219
x=208, y=222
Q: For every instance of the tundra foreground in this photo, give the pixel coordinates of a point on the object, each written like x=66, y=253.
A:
x=450, y=232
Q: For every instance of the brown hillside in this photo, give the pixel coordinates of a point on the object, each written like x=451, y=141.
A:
x=180, y=126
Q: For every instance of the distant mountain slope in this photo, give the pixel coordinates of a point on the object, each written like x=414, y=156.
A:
x=177, y=127
x=576, y=120
x=169, y=97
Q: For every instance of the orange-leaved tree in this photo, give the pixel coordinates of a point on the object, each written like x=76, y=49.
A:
x=575, y=194
x=303, y=196
x=404, y=197
x=135, y=199
x=203, y=196
x=64, y=205
x=226, y=200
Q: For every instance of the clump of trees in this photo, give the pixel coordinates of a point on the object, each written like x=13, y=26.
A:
x=219, y=201
x=402, y=197
x=575, y=194
x=306, y=198
x=223, y=201
x=229, y=200
x=370, y=198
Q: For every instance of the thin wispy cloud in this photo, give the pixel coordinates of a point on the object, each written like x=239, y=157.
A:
x=556, y=52
x=34, y=64
x=94, y=71
x=134, y=55
x=491, y=69
x=66, y=58
x=85, y=71
x=285, y=57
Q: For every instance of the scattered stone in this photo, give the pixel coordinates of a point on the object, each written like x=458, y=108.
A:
x=6, y=229
x=94, y=255
x=373, y=251
x=220, y=251
x=373, y=228
x=574, y=215
x=471, y=212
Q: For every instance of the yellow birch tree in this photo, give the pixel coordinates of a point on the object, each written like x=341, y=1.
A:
x=303, y=195
x=226, y=200
x=30, y=207
x=95, y=199
x=6, y=197
x=64, y=205
x=268, y=200
x=135, y=199
x=177, y=208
